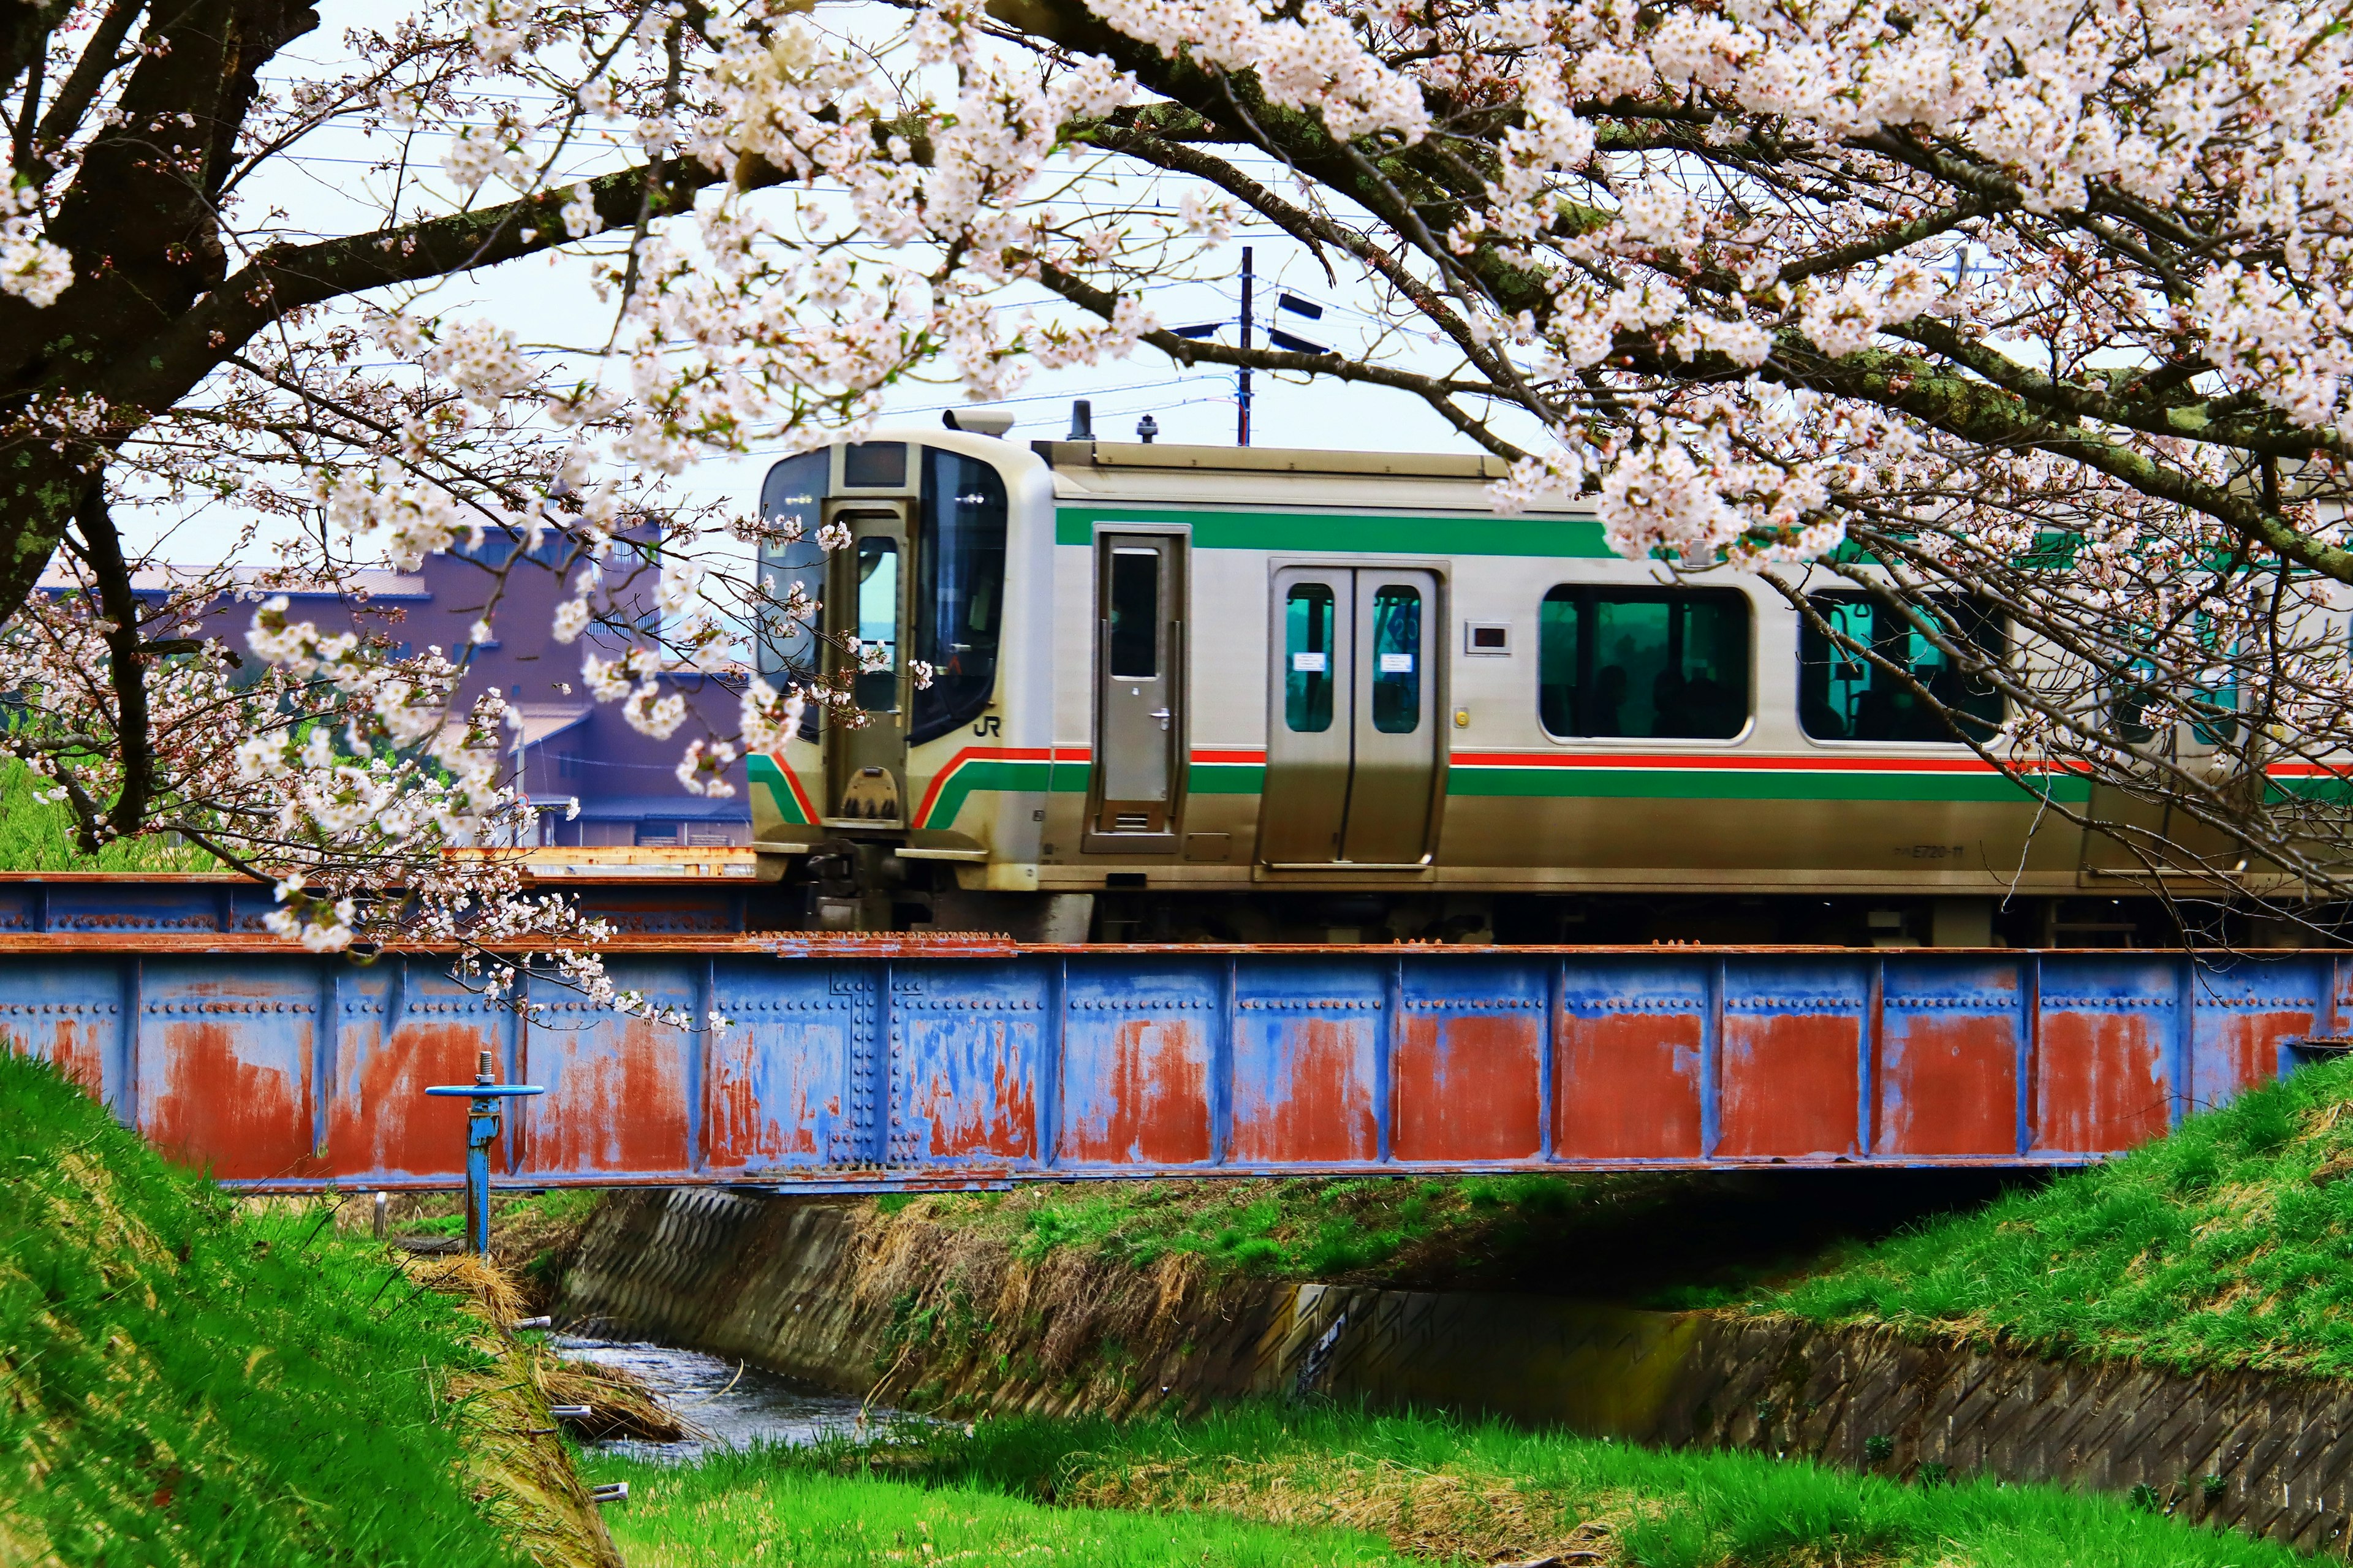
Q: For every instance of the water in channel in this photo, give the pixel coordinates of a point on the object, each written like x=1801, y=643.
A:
x=736, y=1406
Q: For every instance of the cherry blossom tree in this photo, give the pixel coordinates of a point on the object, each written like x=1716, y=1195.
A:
x=2030, y=306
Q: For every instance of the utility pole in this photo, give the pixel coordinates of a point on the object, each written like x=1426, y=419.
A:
x=1243, y=437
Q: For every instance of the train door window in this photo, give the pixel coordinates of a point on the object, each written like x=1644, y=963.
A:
x=1134, y=614
x=877, y=682
x=1845, y=696
x=1307, y=658
x=959, y=591
x=1397, y=659
x=1644, y=663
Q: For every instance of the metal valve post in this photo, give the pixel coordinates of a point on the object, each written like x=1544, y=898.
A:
x=482, y=1129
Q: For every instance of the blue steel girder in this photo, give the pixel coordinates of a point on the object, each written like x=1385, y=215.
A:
x=870, y=1066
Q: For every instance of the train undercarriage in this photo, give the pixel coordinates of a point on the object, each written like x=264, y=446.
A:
x=864, y=885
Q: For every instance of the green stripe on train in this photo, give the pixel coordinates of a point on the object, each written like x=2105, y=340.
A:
x=764, y=774
x=1379, y=534
x=1071, y=778
x=1560, y=783
x=1745, y=784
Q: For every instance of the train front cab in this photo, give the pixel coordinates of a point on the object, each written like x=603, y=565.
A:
x=933, y=612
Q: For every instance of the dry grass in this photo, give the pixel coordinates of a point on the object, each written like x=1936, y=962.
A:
x=623, y=1406
x=521, y=1474
x=1436, y=1514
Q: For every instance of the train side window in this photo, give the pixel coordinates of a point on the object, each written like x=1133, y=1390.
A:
x=1307, y=658
x=1646, y=663
x=959, y=591
x=2137, y=697
x=1843, y=696
x=1397, y=659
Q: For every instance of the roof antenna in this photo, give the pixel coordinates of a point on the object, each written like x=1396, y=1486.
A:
x=1147, y=428
x=1082, y=421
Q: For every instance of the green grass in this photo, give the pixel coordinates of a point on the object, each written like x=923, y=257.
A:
x=183, y=1384
x=2229, y=1244
x=1432, y=1487
x=38, y=836
x=1292, y=1229
x=738, y=1509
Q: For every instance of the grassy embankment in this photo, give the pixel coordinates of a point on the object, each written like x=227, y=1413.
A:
x=2227, y=1244
x=1667, y=1239
x=38, y=836
x=185, y=1383
x=1291, y=1488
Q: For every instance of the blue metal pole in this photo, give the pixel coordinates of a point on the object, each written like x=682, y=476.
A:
x=482, y=1098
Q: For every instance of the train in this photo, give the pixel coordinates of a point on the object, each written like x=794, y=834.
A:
x=1149, y=692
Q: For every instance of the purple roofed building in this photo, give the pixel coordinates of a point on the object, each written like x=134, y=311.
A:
x=595, y=781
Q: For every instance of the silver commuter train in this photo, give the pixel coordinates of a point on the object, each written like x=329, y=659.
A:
x=1248, y=693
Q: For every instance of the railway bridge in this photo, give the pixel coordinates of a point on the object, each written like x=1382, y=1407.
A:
x=866, y=1064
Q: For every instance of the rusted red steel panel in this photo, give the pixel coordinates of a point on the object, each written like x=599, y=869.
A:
x=2102, y=1080
x=402, y=1029
x=1134, y=1085
x=1307, y=1061
x=224, y=1068
x=1629, y=1074
x=1470, y=1088
x=618, y=1087
x=1950, y=1038
x=1792, y=1055
x=1135, y=1090
x=1467, y=1084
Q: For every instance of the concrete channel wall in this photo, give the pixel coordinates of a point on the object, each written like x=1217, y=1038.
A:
x=841, y=1296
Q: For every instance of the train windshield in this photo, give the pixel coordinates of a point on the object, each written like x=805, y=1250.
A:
x=959, y=590
x=1646, y=663
x=1845, y=696
x=790, y=557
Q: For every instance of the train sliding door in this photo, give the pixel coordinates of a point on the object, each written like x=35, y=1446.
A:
x=1353, y=753
x=867, y=610
x=1140, y=726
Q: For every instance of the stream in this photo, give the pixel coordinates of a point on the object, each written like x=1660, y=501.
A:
x=735, y=1407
